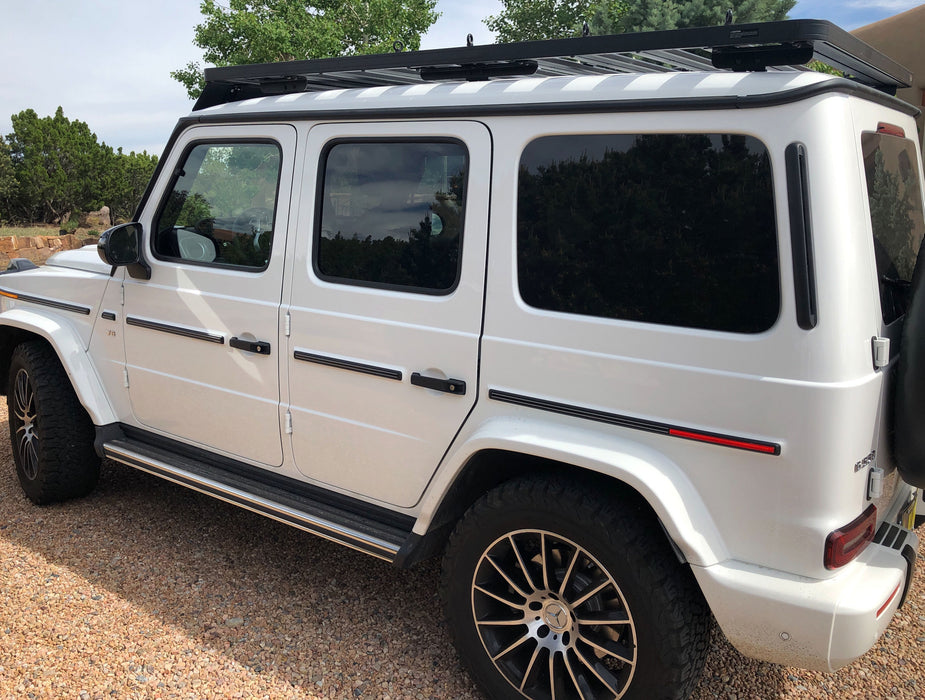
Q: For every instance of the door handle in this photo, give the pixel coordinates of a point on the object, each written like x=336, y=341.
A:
x=261, y=347
x=450, y=386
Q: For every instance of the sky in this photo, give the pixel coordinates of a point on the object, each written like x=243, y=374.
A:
x=108, y=62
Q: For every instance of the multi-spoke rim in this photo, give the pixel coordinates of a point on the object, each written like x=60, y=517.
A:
x=552, y=619
x=26, y=424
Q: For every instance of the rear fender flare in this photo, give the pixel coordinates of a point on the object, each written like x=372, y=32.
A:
x=656, y=478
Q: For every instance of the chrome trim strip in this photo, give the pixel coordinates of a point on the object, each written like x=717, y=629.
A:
x=45, y=301
x=176, y=330
x=328, y=361
x=289, y=516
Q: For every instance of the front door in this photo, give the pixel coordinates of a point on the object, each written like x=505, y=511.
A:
x=201, y=336
x=386, y=302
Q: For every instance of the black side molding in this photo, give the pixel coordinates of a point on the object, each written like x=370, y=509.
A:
x=176, y=330
x=338, y=363
x=801, y=235
x=648, y=426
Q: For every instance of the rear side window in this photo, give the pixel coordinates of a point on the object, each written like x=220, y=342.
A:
x=675, y=229
x=895, y=197
x=392, y=214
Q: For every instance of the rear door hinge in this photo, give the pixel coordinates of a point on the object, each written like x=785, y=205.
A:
x=288, y=423
x=881, y=350
x=287, y=324
x=125, y=377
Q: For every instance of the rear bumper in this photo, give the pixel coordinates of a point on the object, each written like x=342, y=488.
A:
x=814, y=624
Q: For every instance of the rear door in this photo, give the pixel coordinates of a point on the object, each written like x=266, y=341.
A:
x=385, y=306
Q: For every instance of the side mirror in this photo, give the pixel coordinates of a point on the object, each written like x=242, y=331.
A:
x=121, y=245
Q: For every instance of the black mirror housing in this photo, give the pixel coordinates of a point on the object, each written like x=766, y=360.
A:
x=121, y=245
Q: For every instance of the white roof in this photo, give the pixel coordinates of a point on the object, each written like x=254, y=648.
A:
x=528, y=91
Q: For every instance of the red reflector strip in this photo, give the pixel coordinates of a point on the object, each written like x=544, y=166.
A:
x=891, y=129
x=888, y=601
x=726, y=442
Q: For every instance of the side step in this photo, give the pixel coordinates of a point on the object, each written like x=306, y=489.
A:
x=330, y=521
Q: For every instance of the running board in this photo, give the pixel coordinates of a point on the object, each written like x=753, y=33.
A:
x=325, y=520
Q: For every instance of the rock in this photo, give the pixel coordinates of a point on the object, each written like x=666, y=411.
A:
x=99, y=218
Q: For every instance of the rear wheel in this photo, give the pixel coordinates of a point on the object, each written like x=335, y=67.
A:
x=555, y=592
x=50, y=432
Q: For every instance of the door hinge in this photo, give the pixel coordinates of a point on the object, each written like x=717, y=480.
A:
x=287, y=324
x=288, y=423
x=125, y=377
x=123, y=293
x=881, y=348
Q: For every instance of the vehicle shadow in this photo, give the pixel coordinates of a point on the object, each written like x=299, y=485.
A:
x=278, y=601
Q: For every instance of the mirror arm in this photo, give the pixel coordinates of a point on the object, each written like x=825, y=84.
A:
x=140, y=270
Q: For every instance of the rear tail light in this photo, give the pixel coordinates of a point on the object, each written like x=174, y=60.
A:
x=847, y=542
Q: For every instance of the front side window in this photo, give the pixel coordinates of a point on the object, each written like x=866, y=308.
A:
x=391, y=214
x=894, y=194
x=675, y=229
x=221, y=206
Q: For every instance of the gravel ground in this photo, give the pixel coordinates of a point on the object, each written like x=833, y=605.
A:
x=148, y=590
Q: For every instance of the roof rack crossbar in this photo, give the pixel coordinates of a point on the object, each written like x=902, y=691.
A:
x=759, y=46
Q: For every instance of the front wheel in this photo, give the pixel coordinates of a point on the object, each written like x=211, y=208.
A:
x=50, y=432
x=554, y=592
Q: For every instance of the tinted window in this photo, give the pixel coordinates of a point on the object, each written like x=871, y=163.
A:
x=895, y=200
x=221, y=207
x=392, y=214
x=673, y=229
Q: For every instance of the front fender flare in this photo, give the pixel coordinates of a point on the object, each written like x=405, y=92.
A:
x=656, y=478
x=72, y=353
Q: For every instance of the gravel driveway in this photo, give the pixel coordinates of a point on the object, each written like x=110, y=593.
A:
x=149, y=590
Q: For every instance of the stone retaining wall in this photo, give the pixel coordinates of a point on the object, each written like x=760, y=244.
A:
x=37, y=248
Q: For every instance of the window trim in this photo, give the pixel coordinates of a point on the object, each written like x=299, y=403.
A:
x=319, y=203
x=649, y=323
x=175, y=176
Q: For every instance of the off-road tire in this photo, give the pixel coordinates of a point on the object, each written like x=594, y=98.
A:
x=668, y=632
x=50, y=432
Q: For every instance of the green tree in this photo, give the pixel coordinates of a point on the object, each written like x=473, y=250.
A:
x=262, y=31
x=58, y=164
x=526, y=20
x=7, y=180
x=128, y=177
x=648, y=15
x=523, y=20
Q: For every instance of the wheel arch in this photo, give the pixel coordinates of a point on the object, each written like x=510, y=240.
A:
x=18, y=326
x=507, y=448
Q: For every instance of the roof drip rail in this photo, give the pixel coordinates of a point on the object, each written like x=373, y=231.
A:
x=741, y=47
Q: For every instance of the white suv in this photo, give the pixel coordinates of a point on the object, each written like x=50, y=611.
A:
x=632, y=341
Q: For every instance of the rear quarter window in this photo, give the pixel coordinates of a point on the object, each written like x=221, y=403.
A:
x=896, y=216
x=674, y=229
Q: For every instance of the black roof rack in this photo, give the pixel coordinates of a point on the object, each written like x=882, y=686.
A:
x=742, y=47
